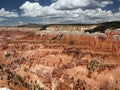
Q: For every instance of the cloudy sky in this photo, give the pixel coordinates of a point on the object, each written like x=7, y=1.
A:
x=17, y=12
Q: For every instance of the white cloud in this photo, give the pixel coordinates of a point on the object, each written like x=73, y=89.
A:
x=99, y=15
x=84, y=4
x=4, y=13
x=70, y=4
x=34, y=9
x=68, y=14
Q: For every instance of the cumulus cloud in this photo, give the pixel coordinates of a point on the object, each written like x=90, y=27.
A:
x=77, y=15
x=98, y=15
x=83, y=4
x=4, y=13
x=70, y=4
x=35, y=9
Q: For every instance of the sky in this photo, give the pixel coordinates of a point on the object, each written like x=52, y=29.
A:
x=19, y=12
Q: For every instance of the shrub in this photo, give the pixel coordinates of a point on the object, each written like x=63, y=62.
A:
x=15, y=83
x=71, y=42
x=7, y=55
x=93, y=65
x=1, y=67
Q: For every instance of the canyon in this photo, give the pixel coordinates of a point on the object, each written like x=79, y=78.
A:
x=59, y=57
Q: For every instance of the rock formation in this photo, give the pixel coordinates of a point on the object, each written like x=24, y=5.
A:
x=55, y=59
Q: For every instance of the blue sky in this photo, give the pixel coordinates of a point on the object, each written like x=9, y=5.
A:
x=17, y=12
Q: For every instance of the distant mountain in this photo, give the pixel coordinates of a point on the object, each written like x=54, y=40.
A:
x=46, y=25
x=41, y=26
x=30, y=25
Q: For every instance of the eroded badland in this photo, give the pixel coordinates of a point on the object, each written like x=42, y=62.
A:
x=59, y=58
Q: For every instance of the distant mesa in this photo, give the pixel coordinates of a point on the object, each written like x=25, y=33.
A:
x=104, y=26
x=91, y=28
